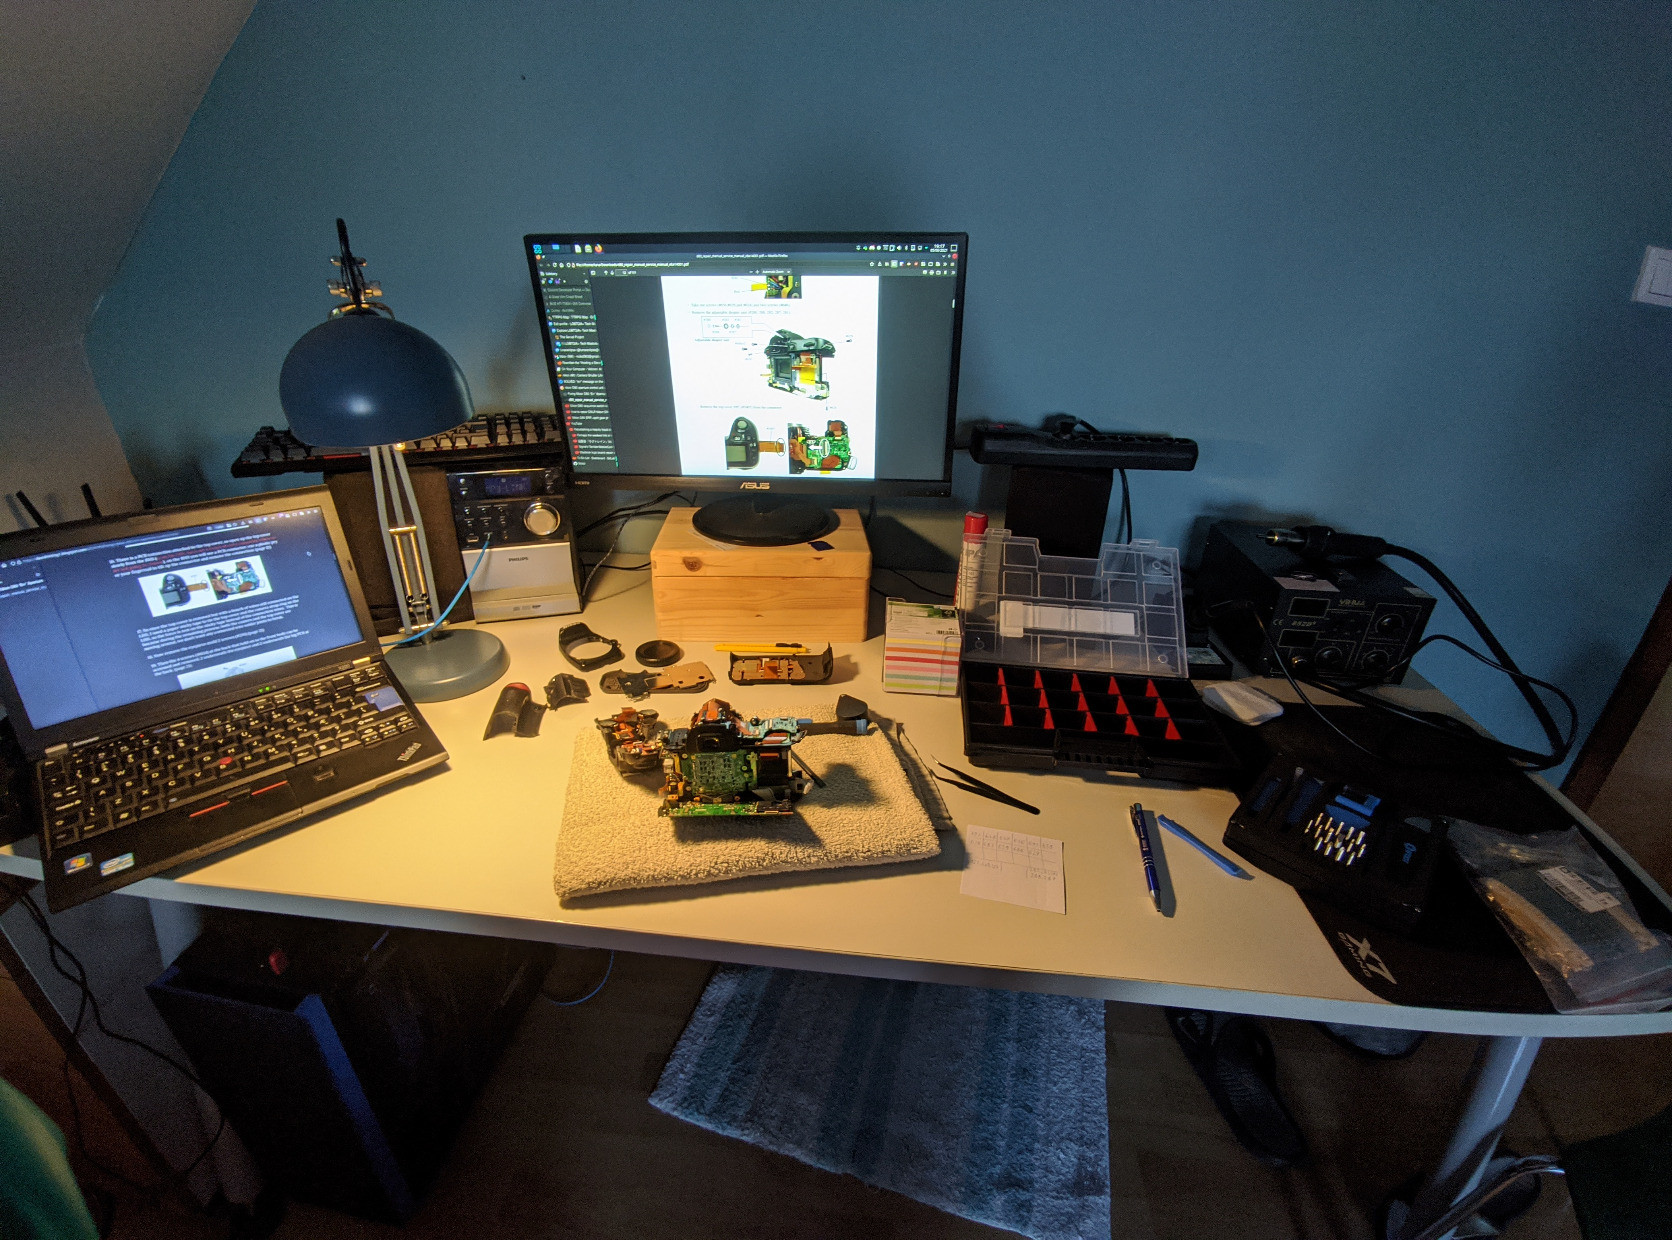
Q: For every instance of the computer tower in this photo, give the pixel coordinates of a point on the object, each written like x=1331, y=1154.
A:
x=346, y=1055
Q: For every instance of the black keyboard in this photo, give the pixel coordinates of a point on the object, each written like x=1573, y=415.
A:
x=108, y=784
x=486, y=437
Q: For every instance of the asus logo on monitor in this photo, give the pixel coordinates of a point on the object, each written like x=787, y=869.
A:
x=756, y=486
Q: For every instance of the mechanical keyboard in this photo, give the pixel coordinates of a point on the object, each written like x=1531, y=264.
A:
x=486, y=437
x=111, y=783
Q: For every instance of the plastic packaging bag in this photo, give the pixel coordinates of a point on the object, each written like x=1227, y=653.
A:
x=1570, y=917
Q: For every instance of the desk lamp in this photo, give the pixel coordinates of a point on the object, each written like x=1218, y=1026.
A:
x=362, y=379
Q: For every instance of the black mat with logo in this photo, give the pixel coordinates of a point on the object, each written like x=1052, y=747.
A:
x=1458, y=957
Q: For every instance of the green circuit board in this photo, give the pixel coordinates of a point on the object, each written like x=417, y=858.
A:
x=719, y=773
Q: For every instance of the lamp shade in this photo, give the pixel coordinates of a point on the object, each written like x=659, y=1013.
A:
x=360, y=379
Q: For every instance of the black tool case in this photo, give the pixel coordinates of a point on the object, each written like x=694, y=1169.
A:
x=1032, y=718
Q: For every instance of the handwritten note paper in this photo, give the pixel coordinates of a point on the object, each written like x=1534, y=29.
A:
x=1013, y=867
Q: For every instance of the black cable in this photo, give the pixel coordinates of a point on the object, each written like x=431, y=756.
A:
x=592, y=573
x=629, y=510
x=1321, y=541
x=78, y=979
x=1444, y=724
x=608, y=969
x=632, y=516
x=1567, y=702
x=624, y=515
x=907, y=576
x=1526, y=758
x=1283, y=666
x=1523, y=682
x=1123, y=516
x=624, y=510
x=76, y=1126
x=81, y=1136
x=89, y=1002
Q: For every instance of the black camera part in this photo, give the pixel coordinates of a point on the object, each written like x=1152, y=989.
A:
x=574, y=636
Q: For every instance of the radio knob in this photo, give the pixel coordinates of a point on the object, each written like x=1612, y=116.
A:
x=541, y=520
x=1391, y=625
x=1330, y=658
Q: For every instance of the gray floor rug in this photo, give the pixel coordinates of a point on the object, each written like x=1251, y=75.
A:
x=989, y=1104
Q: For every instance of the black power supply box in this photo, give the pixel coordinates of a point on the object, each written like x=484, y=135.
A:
x=1350, y=619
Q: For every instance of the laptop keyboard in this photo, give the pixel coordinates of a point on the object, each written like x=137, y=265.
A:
x=109, y=784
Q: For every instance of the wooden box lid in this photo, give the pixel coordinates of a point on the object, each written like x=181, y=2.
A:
x=680, y=551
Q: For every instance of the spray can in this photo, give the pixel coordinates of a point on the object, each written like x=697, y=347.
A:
x=969, y=560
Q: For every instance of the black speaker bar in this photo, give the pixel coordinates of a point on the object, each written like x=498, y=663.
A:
x=1077, y=446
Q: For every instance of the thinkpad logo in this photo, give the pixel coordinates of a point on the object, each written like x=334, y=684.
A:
x=1371, y=963
x=413, y=748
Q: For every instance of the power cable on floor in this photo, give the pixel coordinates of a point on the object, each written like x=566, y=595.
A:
x=608, y=969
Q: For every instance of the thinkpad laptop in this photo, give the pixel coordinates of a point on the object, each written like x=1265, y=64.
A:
x=182, y=680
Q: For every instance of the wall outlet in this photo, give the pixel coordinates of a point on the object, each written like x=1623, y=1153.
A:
x=1654, y=282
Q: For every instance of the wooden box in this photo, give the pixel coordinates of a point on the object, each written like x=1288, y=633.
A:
x=707, y=590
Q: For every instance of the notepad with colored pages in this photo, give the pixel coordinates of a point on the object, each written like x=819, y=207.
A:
x=921, y=648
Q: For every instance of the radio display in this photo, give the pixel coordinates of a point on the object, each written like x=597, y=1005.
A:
x=498, y=485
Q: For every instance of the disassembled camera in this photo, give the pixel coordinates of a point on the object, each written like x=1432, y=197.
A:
x=515, y=711
x=772, y=663
x=578, y=636
x=724, y=765
x=174, y=591
x=634, y=739
x=241, y=580
x=778, y=285
x=798, y=364
x=686, y=678
x=744, y=445
x=565, y=690
x=826, y=453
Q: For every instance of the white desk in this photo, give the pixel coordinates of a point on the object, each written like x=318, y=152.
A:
x=469, y=848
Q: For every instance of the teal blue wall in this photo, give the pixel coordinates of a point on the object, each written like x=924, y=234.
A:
x=1375, y=258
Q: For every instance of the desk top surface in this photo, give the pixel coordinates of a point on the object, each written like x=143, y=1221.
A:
x=469, y=847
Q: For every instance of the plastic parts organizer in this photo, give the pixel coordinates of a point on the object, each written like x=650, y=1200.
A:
x=1122, y=612
x=1032, y=719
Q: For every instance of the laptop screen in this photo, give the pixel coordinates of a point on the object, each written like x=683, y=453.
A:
x=85, y=629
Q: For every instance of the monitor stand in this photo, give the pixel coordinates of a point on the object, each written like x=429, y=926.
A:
x=757, y=520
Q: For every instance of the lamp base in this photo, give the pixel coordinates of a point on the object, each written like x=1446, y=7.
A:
x=454, y=663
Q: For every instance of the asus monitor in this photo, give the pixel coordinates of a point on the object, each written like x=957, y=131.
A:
x=784, y=370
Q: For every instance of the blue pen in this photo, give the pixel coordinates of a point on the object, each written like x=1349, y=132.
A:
x=1147, y=854
x=1223, y=862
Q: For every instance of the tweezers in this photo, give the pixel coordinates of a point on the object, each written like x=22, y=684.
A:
x=969, y=783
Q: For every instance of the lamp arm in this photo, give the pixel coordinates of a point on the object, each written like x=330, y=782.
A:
x=404, y=544
x=354, y=288
x=381, y=488
x=429, y=584
x=354, y=279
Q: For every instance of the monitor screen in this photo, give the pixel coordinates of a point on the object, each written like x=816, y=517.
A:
x=84, y=629
x=807, y=362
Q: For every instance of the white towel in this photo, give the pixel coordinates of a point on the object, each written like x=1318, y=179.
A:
x=612, y=838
